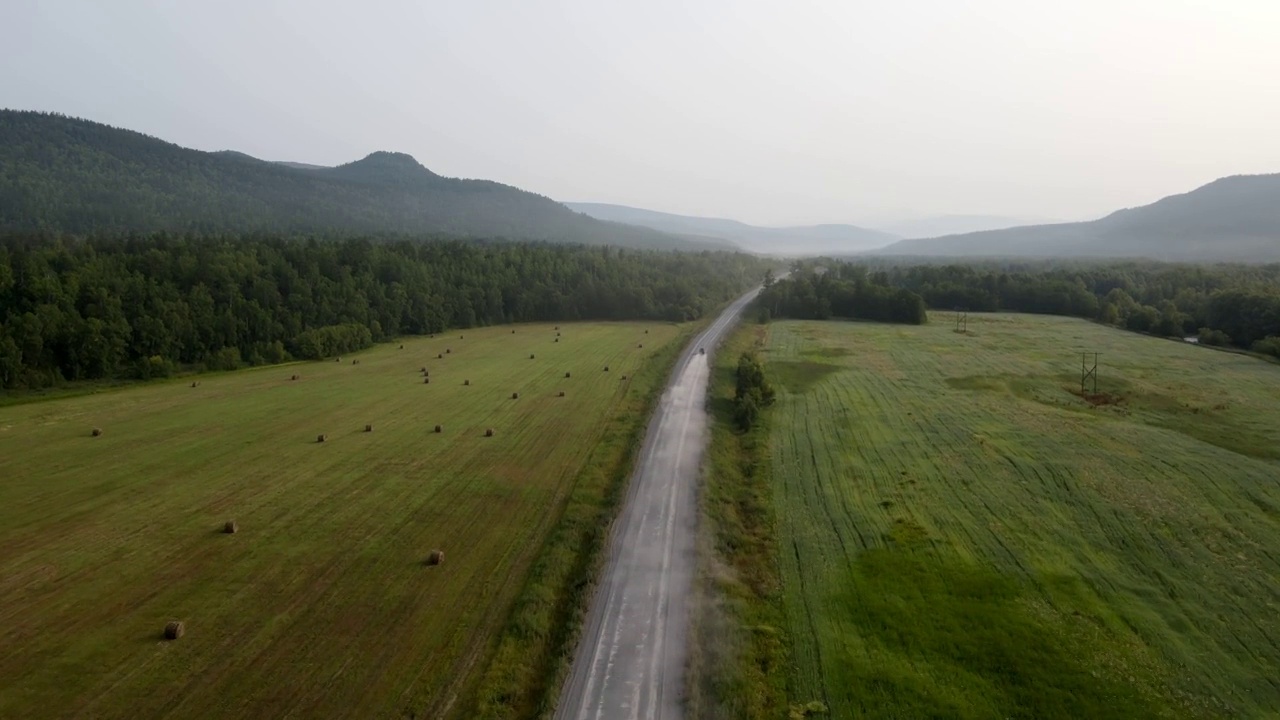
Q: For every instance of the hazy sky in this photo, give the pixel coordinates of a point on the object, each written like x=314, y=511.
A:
x=765, y=111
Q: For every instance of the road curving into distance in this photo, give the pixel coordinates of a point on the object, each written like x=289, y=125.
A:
x=630, y=661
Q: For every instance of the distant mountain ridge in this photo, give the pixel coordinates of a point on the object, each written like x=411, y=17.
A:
x=71, y=175
x=804, y=240
x=939, y=225
x=1232, y=219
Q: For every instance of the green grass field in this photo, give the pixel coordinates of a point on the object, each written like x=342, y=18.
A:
x=960, y=535
x=321, y=605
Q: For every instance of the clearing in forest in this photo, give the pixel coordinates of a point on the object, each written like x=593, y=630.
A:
x=961, y=535
x=323, y=602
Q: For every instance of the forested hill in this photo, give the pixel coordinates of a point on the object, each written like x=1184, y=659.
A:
x=145, y=306
x=1231, y=219
x=68, y=175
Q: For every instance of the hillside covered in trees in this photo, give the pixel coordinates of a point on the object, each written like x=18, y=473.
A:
x=145, y=306
x=1232, y=219
x=67, y=175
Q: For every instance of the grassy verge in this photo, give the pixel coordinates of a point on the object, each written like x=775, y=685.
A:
x=533, y=654
x=738, y=655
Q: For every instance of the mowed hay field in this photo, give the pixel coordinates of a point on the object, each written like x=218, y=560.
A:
x=321, y=604
x=961, y=536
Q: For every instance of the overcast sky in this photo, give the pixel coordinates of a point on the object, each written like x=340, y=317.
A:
x=765, y=111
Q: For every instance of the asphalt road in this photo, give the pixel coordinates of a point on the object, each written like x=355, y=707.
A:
x=630, y=661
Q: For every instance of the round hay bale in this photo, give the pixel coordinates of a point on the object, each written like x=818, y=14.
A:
x=557, y=334
x=368, y=428
x=439, y=428
x=423, y=370
x=606, y=368
x=295, y=377
x=97, y=432
x=646, y=332
x=401, y=347
x=435, y=557
x=530, y=356
x=557, y=339
x=561, y=394
x=426, y=381
x=174, y=630
x=515, y=396
x=566, y=374
x=321, y=438
x=337, y=359
x=488, y=432
x=557, y=327
x=640, y=345
x=466, y=382
x=230, y=527
x=355, y=362
x=624, y=377
x=447, y=351
x=513, y=332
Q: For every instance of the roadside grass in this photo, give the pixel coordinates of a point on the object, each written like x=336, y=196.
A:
x=536, y=646
x=961, y=534
x=737, y=653
x=321, y=604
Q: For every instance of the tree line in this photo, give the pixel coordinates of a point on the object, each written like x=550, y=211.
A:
x=1237, y=305
x=147, y=305
x=844, y=290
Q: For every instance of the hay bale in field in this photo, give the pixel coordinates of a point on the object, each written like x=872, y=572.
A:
x=646, y=332
x=321, y=438
x=640, y=345
x=294, y=377
x=557, y=334
x=435, y=557
x=439, y=428
x=566, y=374
x=423, y=370
x=368, y=428
x=447, y=351
x=466, y=382
x=174, y=630
x=606, y=368
x=401, y=347
x=557, y=327
x=440, y=356
x=193, y=384
x=426, y=381
x=513, y=332
x=488, y=432
x=230, y=527
x=337, y=359
x=355, y=362
x=530, y=356
x=459, y=337
x=97, y=432
x=561, y=394
x=557, y=339
x=624, y=377
x=515, y=396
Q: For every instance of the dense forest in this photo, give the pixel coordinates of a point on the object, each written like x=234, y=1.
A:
x=144, y=306
x=69, y=175
x=839, y=290
x=1236, y=305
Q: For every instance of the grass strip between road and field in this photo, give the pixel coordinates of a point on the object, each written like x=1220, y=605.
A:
x=533, y=655
x=738, y=653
